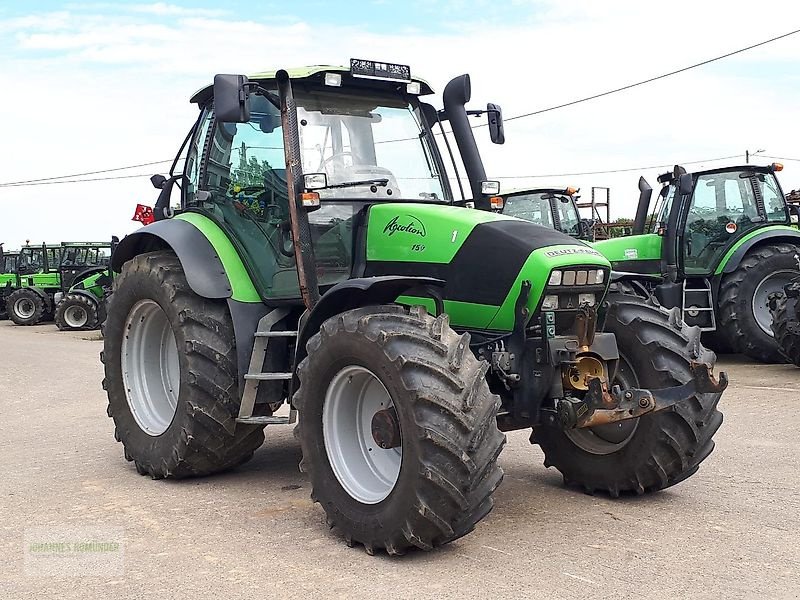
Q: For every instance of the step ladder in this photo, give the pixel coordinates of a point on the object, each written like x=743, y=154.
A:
x=700, y=301
x=254, y=374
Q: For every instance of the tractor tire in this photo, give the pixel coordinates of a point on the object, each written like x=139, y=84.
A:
x=654, y=451
x=786, y=327
x=171, y=374
x=744, y=316
x=442, y=420
x=77, y=312
x=25, y=307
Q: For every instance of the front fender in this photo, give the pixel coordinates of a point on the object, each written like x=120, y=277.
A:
x=354, y=293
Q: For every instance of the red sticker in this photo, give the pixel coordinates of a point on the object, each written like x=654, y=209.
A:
x=731, y=227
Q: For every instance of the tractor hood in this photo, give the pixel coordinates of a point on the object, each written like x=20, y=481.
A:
x=482, y=256
x=633, y=253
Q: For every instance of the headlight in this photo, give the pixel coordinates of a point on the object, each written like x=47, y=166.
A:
x=555, y=278
x=569, y=277
x=550, y=302
x=586, y=299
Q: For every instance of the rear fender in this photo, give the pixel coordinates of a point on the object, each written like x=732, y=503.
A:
x=782, y=235
x=201, y=263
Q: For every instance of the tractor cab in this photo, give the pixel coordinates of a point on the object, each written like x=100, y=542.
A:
x=551, y=207
x=39, y=259
x=705, y=230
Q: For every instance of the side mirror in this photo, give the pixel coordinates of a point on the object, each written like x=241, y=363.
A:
x=495, y=118
x=585, y=228
x=158, y=181
x=685, y=184
x=231, y=99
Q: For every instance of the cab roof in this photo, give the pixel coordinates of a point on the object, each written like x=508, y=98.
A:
x=312, y=72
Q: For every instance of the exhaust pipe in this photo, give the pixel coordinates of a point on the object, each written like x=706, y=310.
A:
x=456, y=94
x=645, y=193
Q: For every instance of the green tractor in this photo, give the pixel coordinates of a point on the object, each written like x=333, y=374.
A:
x=718, y=245
x=549, y=207
x=65, y=282
x=8, y=277
x=37, y=279
x=86, y=277
x=318, y=272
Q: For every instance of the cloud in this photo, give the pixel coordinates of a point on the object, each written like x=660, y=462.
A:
x=96, y=87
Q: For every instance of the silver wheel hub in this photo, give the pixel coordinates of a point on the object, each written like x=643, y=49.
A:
x=76, y=316
x=358, y=418
x=24, y=308
x=150, y=367
x=772, y=283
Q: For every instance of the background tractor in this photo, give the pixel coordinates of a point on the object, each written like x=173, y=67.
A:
x=718, y=244
x=50, y=275
x=8, y=277
x=318, y=264
x=549, y=207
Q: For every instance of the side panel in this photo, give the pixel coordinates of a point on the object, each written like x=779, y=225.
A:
x=634, y=253
x=773, y=234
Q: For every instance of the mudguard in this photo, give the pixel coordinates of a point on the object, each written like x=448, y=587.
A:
x=353, y=293
x=203, y=267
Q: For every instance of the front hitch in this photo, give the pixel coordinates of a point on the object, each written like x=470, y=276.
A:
x=601, y=406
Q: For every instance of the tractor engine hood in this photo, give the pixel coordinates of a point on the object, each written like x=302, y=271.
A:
x=483, y=257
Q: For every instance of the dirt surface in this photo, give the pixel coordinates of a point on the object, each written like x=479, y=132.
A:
x=730, y=531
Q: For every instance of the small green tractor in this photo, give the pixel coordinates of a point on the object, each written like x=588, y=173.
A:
x=319, y=273
x=718, y=244
x=66, y=282
x=549, y=207
x=8, y=277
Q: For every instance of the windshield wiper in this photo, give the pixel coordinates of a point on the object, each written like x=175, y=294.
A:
x=346, y=184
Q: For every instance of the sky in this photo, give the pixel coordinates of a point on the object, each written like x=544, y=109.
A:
x=89, y=86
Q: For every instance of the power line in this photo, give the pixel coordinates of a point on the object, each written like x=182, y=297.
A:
x=37, y=182
x=645, y=81
x=30, y=181
x=626, y=170
x=777, y=157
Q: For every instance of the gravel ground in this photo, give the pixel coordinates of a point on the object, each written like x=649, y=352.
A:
x=730, y=531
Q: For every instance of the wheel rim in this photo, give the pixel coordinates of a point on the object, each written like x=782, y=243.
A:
x=150, y=367
x=24, y=308
x=367, y=472
x=76, y=316
x=607, y=439
x=773, y=282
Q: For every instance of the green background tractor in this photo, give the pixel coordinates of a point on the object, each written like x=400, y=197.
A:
x=319, y=266
x=719, y=243
x=8, y=277
x=86, y=278
x=37, y=280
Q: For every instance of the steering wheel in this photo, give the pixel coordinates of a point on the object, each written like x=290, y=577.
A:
x=337, y=156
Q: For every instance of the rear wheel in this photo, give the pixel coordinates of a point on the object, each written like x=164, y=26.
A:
x=171, y=374
x=398, y=428
x=744, y=316
x=76, y=312
x=656, y=450
x=25, y=307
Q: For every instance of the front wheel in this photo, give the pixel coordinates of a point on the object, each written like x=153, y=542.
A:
x=76, y=312
x=398, y=428
x=654, y=451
